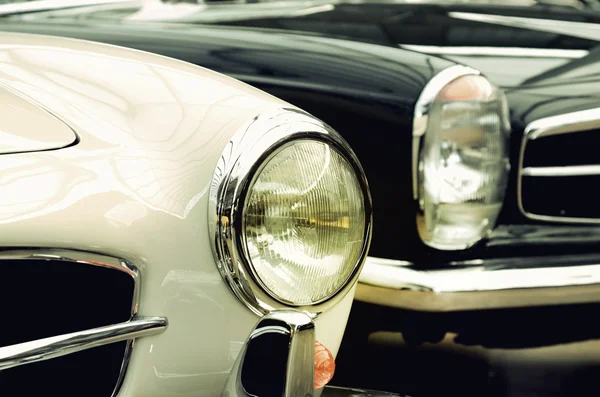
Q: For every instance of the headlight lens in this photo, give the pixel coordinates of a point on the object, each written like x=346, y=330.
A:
x=290, y=212
x=304, y=223
x=463, y=164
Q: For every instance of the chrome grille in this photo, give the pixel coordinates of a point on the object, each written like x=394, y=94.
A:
x=71, y=375
x=59, y=304
x=559, y=168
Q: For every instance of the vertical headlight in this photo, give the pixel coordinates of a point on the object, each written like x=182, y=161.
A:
x=461, y=147
x=293, y=213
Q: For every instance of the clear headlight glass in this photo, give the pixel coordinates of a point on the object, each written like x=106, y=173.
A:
x=463, y=165
x=304, y=223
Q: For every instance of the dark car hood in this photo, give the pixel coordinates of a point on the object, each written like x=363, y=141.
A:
x=511, y=44
x=367, y=92
x=571, y=87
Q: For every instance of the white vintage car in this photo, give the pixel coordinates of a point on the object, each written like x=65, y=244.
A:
x=168, y=231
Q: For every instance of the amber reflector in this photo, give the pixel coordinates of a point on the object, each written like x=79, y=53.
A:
x=324, y=365
x=467, y=88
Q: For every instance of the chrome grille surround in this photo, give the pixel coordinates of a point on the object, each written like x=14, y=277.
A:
x=567, y=123
x=48, y=348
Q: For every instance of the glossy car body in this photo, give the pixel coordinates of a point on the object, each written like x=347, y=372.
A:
x=107, y=162
x=367, y=88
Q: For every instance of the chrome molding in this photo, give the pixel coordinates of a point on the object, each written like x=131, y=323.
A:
x=579, y=121
x=94, y=259
x=248, y=150
x=481, y=284
x=573, y=170
x=548, y=234
x=496, y=52
x=582, y=120
x=57, y=346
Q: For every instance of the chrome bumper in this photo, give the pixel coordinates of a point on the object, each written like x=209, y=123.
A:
x=278, y=360
x=475, y=285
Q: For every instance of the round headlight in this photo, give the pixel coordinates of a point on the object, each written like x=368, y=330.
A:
x=304, y=223
x=293, y=213
x=463, y=164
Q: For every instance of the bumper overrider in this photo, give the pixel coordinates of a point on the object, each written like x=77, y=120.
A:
x=278, y=360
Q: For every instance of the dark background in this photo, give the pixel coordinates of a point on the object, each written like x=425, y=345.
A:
x=549, y=351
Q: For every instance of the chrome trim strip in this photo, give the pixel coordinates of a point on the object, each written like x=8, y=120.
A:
x=247, y=150
x=519, y=52
x=481, y=284
x=579, y=121
x=300, y=366
x=582, y=120
x=299, y=373
x=93, y=259
x=57, y=346
x=548, y=218
x=572, y=170
x=524, y=235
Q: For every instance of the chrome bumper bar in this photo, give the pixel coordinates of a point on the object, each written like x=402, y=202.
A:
x=278, y=360
x=475, y=285
x=57, y=346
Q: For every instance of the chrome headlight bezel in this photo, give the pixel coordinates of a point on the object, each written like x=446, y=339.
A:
x=421, y=120
x=247, y=152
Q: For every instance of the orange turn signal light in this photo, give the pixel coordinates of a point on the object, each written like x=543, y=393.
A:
x=324, y=365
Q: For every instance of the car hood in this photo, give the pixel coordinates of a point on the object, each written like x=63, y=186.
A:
x=568, y=88
x=517, y=46
x=27, y=127
x=510, y=43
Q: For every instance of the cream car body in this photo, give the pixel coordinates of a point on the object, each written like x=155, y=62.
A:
x=135, y=185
